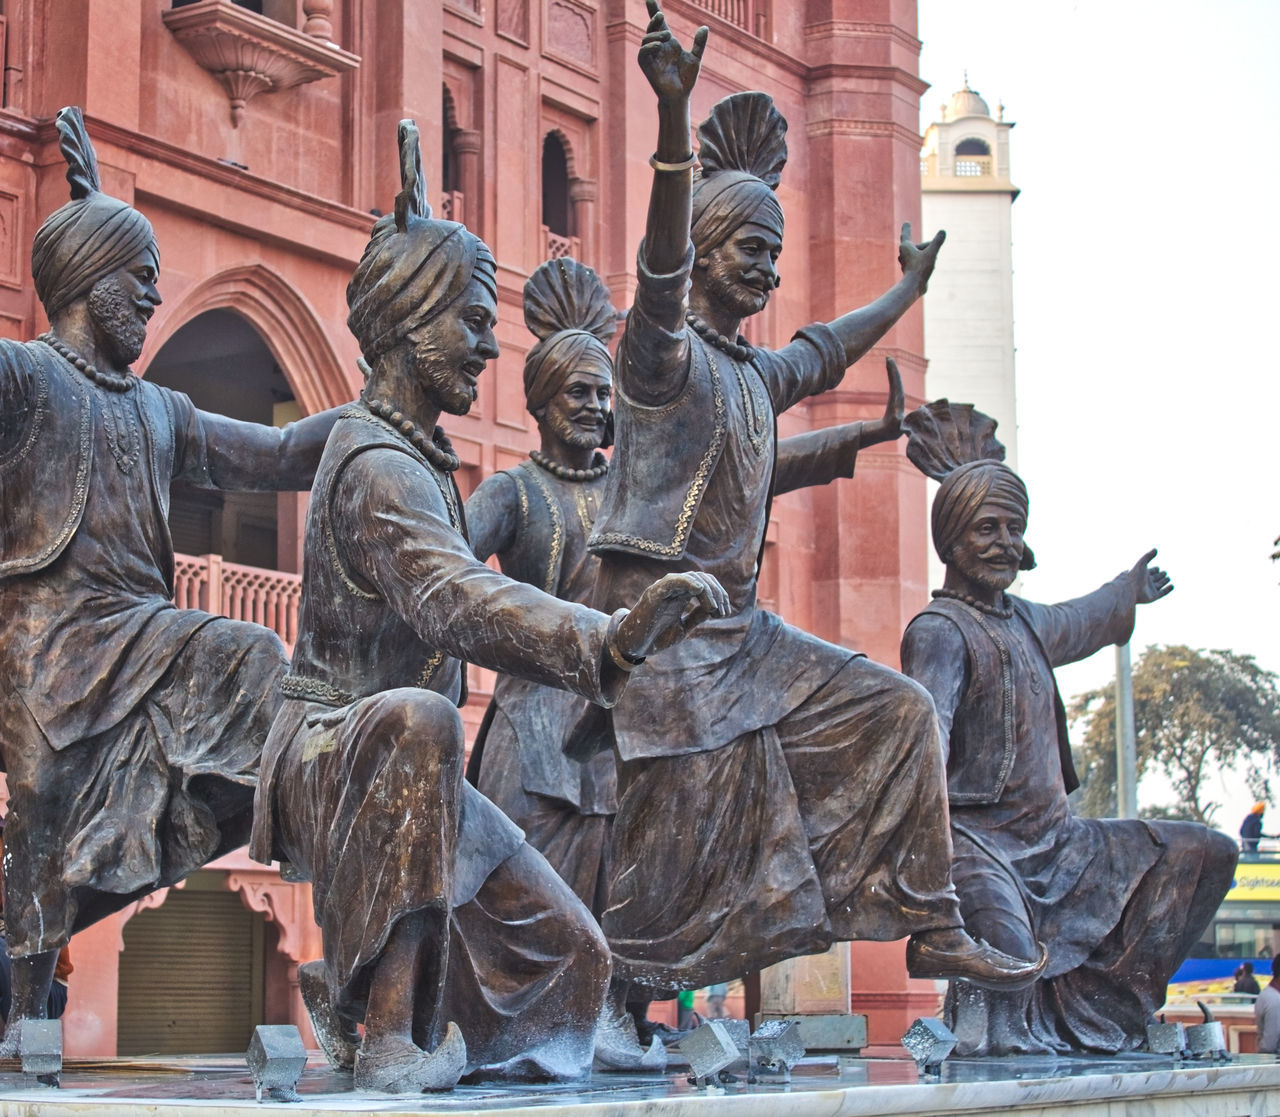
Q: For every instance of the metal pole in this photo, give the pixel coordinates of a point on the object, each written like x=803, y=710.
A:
x=1126, y=738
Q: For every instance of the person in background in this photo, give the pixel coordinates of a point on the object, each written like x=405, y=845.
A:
x=1245, y=981
x=1251, y=828
x=1266, y=1013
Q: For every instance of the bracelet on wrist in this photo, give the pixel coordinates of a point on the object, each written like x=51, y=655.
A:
x=684, y=165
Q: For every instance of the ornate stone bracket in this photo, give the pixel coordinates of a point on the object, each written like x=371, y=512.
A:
x=286, y=905
x=251, y=54
x=151, y=900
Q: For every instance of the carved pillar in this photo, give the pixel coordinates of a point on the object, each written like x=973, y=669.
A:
x=318, y=24
x=467, y=146
x=583, y=193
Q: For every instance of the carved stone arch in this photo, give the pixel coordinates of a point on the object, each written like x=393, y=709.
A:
x=450, y=122
x=289, y=327
x=570, y=157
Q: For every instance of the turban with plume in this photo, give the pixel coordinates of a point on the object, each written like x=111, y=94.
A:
x=956, y=445
x=568, y=309
x=92, y=235
x=414, y=266
x=742, y=148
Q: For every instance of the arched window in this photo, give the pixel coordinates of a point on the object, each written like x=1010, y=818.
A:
x=449, y=158
x=222, y=363
x=973, y=158
x=556, y=210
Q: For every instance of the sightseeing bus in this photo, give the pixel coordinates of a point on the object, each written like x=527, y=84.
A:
x=1245, y=929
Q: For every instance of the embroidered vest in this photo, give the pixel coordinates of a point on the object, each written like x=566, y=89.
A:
x=983, y=735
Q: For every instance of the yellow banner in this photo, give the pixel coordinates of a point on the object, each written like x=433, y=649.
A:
x=1260, y=881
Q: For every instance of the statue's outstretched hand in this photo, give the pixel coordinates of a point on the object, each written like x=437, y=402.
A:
x=889, y=427
x=667, y=612
x=671, y=70
x=1150, y=583
x=918, y=260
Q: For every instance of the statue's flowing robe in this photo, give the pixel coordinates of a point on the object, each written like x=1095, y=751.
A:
x=1117, y=903
x=777, y=793
x=537, y=524
x=130, y=729
x=376, y=813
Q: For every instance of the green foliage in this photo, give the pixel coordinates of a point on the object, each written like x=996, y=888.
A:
x=1196, y=712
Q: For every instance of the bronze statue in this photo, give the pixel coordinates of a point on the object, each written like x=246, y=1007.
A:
x=1117, y=903
x=536, y=518
x=777, y=793
x=445, y=933
x=130, y=729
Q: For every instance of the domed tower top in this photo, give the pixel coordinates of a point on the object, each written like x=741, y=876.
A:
x=966, y=102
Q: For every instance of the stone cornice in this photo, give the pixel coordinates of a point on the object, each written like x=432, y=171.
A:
x=835, y=71
x=215, y=171
x=833, y=28
x=845, y=127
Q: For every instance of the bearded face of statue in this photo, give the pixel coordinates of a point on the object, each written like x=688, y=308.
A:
x=576, y=415
x=120, y=305
x=989, y=551
x=740, y=274
x=450, y=351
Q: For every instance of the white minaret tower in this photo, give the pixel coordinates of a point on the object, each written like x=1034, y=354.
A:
x=968, y=310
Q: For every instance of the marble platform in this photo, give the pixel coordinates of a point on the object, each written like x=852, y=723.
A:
x=1136, y=1086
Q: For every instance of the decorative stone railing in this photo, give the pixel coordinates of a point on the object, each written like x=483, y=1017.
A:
x=555, y=246
x=750, y=15
x=243, y=593
x=452, y=207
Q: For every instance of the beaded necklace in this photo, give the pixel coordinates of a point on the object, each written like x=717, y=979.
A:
x=438, y=450
x=1003, y=612
x=599, y=467
x=111, y=381
x=739, y=350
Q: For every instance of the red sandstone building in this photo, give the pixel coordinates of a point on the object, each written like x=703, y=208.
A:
x=259, y=138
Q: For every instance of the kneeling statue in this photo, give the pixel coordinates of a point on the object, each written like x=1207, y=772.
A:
x=1117, y=903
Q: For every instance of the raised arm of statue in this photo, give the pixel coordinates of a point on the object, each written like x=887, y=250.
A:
x=224, y=453
x=493, y=512
x=860, y=329
x=671, y=71
x=820, y=456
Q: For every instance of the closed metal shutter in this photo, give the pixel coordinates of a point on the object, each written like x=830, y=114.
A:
x=191, y=976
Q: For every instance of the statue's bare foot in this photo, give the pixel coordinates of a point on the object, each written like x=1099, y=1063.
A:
x=617, y=1048
x=337, y=1035
x=951, y=953
x=396, y=1067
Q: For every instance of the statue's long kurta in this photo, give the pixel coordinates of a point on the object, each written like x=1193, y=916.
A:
x=361, y=798
x=1117, y=903
x=779, y=793
x=130, y=729
x=537, y=524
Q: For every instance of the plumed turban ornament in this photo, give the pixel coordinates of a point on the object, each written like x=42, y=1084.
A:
x=956, y=445
x=414, y=267
x=92, y=235
x=742, y=148
x=568, y=309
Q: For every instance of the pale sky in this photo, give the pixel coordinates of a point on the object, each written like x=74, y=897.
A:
x=1147, y=149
